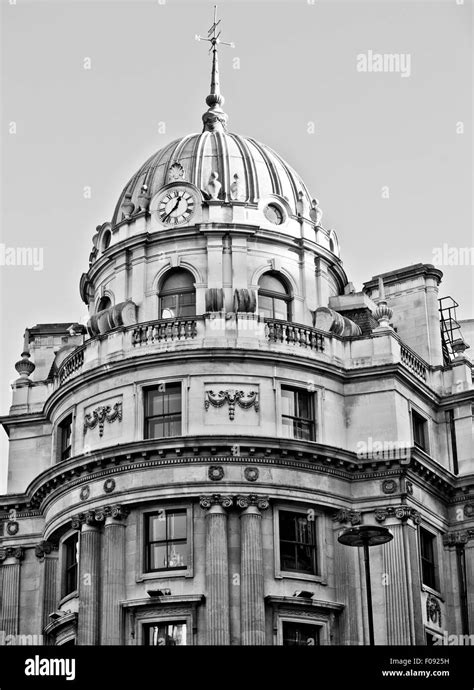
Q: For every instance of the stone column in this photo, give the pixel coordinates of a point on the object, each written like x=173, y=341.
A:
x=401, y=583
x=47, y=553
x=217, y=569
x=113, y=581
x=89, y=582
x=10, y=558
x=252, y=605
x=469, y=560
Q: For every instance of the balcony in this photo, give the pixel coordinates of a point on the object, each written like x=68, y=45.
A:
x=239, y=331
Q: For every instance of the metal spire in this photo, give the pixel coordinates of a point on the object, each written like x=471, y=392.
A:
x=215, y=119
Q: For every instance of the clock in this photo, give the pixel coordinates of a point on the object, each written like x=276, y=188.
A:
x=176, y=206
x=274, y=214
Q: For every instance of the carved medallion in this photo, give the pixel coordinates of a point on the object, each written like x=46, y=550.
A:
x=12, y=528
x=251, y=474
x=109, y=485
x=215, y=473
x=176, y=172
x=389, y=486
x=84, y=493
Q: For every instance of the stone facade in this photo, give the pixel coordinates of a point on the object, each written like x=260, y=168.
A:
x=231, y=445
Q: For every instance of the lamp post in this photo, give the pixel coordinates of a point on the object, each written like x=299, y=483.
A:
x=366, y=536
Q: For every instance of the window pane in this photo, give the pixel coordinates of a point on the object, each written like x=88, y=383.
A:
x=272, y=284
x=287, y=525
x=288, y=402
x=155, y=429
x=280, y=309
x=177, y=555
x=165, y=635
x=177, y=281
x=304, y=405
x=155, y=403
x=157, y=527
x=173, y=400
x=287, y=556
x=300, y=634
x=177, y=525
x=158, y=556
x=265, y=306
x=304, y=555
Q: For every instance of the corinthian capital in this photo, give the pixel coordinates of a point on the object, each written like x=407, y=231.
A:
x=247, y=500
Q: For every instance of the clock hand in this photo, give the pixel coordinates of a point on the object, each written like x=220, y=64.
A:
x=178, y=201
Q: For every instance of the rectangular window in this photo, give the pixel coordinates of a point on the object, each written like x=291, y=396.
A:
x=71, y=561
x=163, y=411
x=166, y=634
x=300, y=634
x=419, y=425
x=65, y=438
x=297, y=413
x=297, y=543
x=166, y=540
x=428, y=558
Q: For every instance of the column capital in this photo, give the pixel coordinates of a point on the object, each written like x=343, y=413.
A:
x=402, y=513
x=95, y=516
x=248, y=500
x=17, y=552
x=458, y=538
x=210, y=500
x=44, y=548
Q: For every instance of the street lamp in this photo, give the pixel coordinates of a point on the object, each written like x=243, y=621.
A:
x=366, y=536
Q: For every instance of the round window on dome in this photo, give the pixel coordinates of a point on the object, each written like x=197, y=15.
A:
x=274, y=214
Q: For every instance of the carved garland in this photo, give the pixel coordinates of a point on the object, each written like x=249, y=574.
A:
x=102, y=414
x=232, y=398
x=433, y=610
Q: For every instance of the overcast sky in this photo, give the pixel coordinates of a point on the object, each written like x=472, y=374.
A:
x=297, y=65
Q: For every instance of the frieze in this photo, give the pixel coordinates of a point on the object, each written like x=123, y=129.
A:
x=343, y=515
x=402, y=513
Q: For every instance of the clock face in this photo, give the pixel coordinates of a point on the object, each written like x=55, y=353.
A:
x=273, y=214
x=176, y=206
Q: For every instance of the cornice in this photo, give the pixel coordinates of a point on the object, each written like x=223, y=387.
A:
x=297, y=455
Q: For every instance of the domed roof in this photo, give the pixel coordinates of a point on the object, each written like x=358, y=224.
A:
x=259, y=170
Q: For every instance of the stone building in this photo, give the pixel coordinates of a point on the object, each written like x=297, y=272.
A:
x=180, y=468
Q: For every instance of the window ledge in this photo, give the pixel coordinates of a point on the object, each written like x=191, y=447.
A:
x=288, y=575
x=302, y=602
x=170, y=599
x=68, y=597
x=164, y=575
x=434, y=592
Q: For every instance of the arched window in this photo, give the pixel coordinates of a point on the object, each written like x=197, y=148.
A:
x=177, y=295
x=104, y=303
x=274, y=300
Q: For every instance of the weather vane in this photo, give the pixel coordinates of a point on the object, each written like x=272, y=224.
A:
x=215, y=118
x=213, y=36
